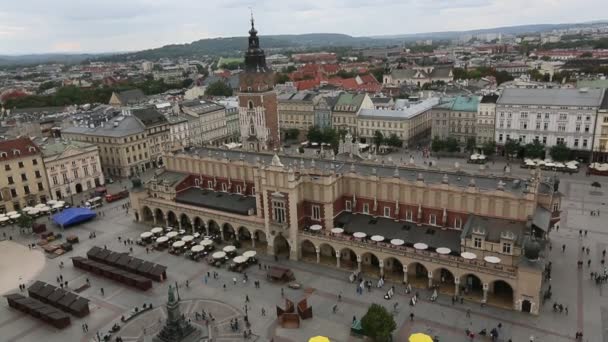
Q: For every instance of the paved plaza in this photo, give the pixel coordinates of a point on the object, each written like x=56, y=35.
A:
x=572, y=287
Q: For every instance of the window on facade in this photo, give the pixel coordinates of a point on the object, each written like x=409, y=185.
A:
x=37, y=173
x=54, y=178
x=34, y=161
x=253, y=191
x=23, y=177
x=224, y=187
x=210, y=184
x=575, y=142
x=13, y=193
x=278, y=211
x=555, y=206
x=7, y=167
x=584, y=142
x=586, y=128
x=458, y=223
x=387, y=212
x=560, y=140
x=40, y=187
x=366, y=208
x=316, y=212
x=577, y=128
x=75, y=173
x=26, y=190
x=477, y=242
x=65, y=177
x=20, y=165
x=506, y=248
x=432, y=219
x=348, y=206
x=238, y=189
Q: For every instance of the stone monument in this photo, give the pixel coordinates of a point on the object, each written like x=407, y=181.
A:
x=177, y=328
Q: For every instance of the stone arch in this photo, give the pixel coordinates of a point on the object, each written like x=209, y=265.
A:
x=281, y=246
x=214, y=228
x=159, y=216
x=445, y=280
x=147, y=215
x=370, y=264
x=228, y=232
x=393, y=269
x=327, y=254
x=308, y=250
x=348, y=259
x=171, y=219
x=500, y=293
x=418, y=274
x=184, y=223
x=198, y=225
x=244, y=237
x=471, y=286
x=260, y=240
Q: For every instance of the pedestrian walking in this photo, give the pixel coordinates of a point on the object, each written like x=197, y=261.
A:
x=411, y=316
x=282, y=292
x=468, y=313
x=246, y=298
x=263, y=312
x=102, y=292
x=563, y=248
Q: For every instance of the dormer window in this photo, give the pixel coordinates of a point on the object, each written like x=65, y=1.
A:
x=506, y=247
x=3, y=154
x=458, y=223
x=224, y=187
x=31, y=149
x=433, y=219
x=16, y=152
x=210, y=185
x=408, y=215
x=477, y=242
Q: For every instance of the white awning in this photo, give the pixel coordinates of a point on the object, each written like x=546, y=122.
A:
x=397, y=242
x=468, y=255
x=443, y=250
x=421, y=246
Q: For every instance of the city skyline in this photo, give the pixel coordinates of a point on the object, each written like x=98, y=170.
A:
x=34, y=26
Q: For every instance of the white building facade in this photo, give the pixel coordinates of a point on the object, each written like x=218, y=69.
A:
x=551, y=116
x=72, y=167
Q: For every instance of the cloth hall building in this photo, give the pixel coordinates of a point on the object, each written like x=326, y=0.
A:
x=473, y=235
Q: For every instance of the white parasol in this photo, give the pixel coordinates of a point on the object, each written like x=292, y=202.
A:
x=397, y=242
x=171, y=235
x=4, y=219
x=178, y=244
x=197, y=248
x=249, y=254
x=187, y=238
x=443, y=250
x=239, y=259
x=157, y=230
x=421, y=246
x=145, y=235
x=229, y=249
x=206, y=243
x=337, y=230
x=359, y=235
x=218, y=255
x=492, y=259
x=162, y=239
x=14, y=217
x=468, y=255
x=315, y=227
x=40, y=205
x=377, y=238
x=11, y=213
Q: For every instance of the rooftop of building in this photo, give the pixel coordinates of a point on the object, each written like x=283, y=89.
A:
x=60, y=146
x=493, y=228
x=349, y=102
x=552, y=97
x=592, y=84
x=409, y=232
x=149, y=116
x=464, y=103
x=515, y=186
x=232, y=203
x=120, y=126
x=400, y=114
x=201, y=107
x=492, y=98
x=18, y=148
x=131, y=96
x=169, y=178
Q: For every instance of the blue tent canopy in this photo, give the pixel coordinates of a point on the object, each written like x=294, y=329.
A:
x=72, y=216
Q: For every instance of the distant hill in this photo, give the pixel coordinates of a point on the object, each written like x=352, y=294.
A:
x=45, y=58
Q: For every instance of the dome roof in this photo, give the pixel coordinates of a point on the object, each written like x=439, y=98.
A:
x=532, y=249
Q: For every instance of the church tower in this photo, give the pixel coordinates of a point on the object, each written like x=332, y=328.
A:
x=258, y=110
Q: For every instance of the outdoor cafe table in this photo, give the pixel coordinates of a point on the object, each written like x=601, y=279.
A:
x=188, y=238
x=157, y=230
x=178, y=244
x=249, y=254
x=197, y=249
x=162, y=239
x=171, y=235
x=206, y=243
x=218, y=255
x=229, y=249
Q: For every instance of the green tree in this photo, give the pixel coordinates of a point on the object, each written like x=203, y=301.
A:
x=281, y=78
x=471, y=145
x=378, y=138
x=586, y=55
x=314, y=134
x=512, y=147
x=378, y=74
x=292, y=133
x=393, y=140
x=346, y=74
x=218, y=88
x=187, y=82
x=534, y=150
x=545, y=58
x=378, y=323
x=437, y=144
x=25, y=221
x=560, y=152
x=489, y=148
x=452, y=145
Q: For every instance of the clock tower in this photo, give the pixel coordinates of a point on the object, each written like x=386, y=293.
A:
x=258, y=112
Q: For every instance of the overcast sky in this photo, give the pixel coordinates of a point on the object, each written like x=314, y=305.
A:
x=36, y=26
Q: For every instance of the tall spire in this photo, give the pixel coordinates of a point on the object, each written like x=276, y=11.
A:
x=253, y=31
x=255, y=59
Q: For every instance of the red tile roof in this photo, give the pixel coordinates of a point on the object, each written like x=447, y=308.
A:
x=18, y=148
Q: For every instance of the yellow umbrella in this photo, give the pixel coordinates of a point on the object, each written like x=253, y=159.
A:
x=419, y=337
x=318, y=339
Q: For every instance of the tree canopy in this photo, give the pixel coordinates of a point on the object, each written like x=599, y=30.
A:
x=534, y=150
x=489, y=148
x=560, y=152
x=512, y=147
x=378, y=323
x=218, y=88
